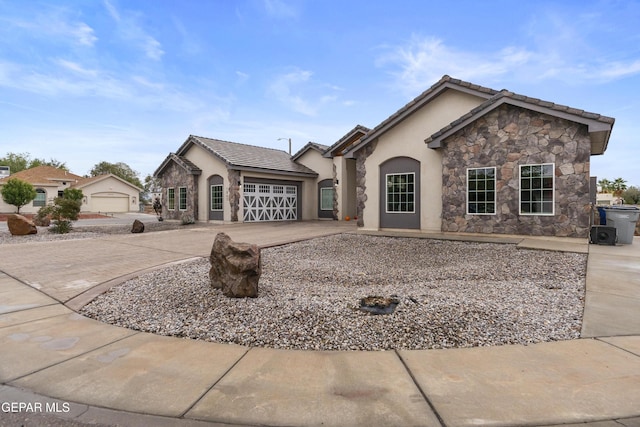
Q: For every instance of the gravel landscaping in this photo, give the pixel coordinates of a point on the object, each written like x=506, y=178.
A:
x=450, y=294
x=84, y=232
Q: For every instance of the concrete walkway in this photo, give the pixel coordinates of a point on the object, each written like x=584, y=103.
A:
x=84, y=371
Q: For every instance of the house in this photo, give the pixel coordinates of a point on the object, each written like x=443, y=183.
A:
x=102, y=193
x=457, y=158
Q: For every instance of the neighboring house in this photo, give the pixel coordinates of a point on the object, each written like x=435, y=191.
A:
x=458, y=158
x=103, y=193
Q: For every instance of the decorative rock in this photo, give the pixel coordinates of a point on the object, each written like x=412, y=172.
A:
x=20, y=226
x=137, y=227
x=42, y=221
x=235, y=267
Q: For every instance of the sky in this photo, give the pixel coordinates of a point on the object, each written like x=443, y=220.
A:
x=87, y=81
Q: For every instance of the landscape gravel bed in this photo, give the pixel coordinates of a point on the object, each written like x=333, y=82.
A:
x=451, y=294
x=44, y=234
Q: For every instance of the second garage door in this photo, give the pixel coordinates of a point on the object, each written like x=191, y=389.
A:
x=109, y=203
x=270, y=202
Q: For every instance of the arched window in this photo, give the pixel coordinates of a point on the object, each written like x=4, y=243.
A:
x=41, y=197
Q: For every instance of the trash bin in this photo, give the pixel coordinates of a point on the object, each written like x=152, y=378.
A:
x=624, y=219
x=603, y=215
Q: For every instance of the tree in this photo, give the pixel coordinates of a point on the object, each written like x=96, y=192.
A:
x=17, y=192
x=16, y=162
x=605, y=185
x=151, y=185
x=121, y=170
x=20, y=161
x=618, y=186
x=631, y=196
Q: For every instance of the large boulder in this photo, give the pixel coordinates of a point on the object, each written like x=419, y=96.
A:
x=235, y=267
x=20, y=226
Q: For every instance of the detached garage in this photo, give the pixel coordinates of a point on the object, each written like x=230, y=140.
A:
x=108, y=194
x=102, y=193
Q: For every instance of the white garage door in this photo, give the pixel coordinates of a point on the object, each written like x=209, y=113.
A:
x=270, y=202
x=110, y=204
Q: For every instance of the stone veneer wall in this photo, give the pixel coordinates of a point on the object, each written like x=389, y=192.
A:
x=506, y=138
x=175, y=177
x=234, y=193
x=361, y=181
x=335, y=193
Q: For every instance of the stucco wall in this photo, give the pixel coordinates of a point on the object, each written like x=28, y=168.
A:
x=209, y=165
x=507, y=138
x=407, y=139
x=110, y=187
x=321, y=165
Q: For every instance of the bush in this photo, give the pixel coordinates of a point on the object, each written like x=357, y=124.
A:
x=64, y=210
x=17, y=192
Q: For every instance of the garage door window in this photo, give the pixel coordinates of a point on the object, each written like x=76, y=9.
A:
x=269, y=202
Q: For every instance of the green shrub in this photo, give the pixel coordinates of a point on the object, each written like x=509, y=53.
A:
x=17, y=192
x=64, y=210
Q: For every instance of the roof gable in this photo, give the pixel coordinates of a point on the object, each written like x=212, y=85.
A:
x=345, y=143
x=184, y=163
x=445, y=83
x=599, y=126
x=310, y=146
x=85, y=182
x=248, y=157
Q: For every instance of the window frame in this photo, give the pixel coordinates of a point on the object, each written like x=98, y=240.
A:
x=171, y=199
x=412, y=193
x=542, y=189
x=323, y=189
x=484, y=191
x=182, y=191
x=219, y=187
x=40, y=201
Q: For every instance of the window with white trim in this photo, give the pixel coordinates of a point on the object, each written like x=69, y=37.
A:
x=537, y=189
x=400, y=193
x=326, y=198
x=216, y=197
x=182, y=198
x=171, y=199
x=481, y=191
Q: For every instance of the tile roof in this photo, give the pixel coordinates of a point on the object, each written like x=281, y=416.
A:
x=597, y=122
x=83, y=182
x=43, y=175
x=321, y=148
x=249, y=157
x=185, y=163
x=359, y=129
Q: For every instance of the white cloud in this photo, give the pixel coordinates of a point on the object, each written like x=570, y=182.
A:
x=54, y=24
x=283, y=90
x=77, y=68
x=424, y=60
x=280, y=9
x=133, y=32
